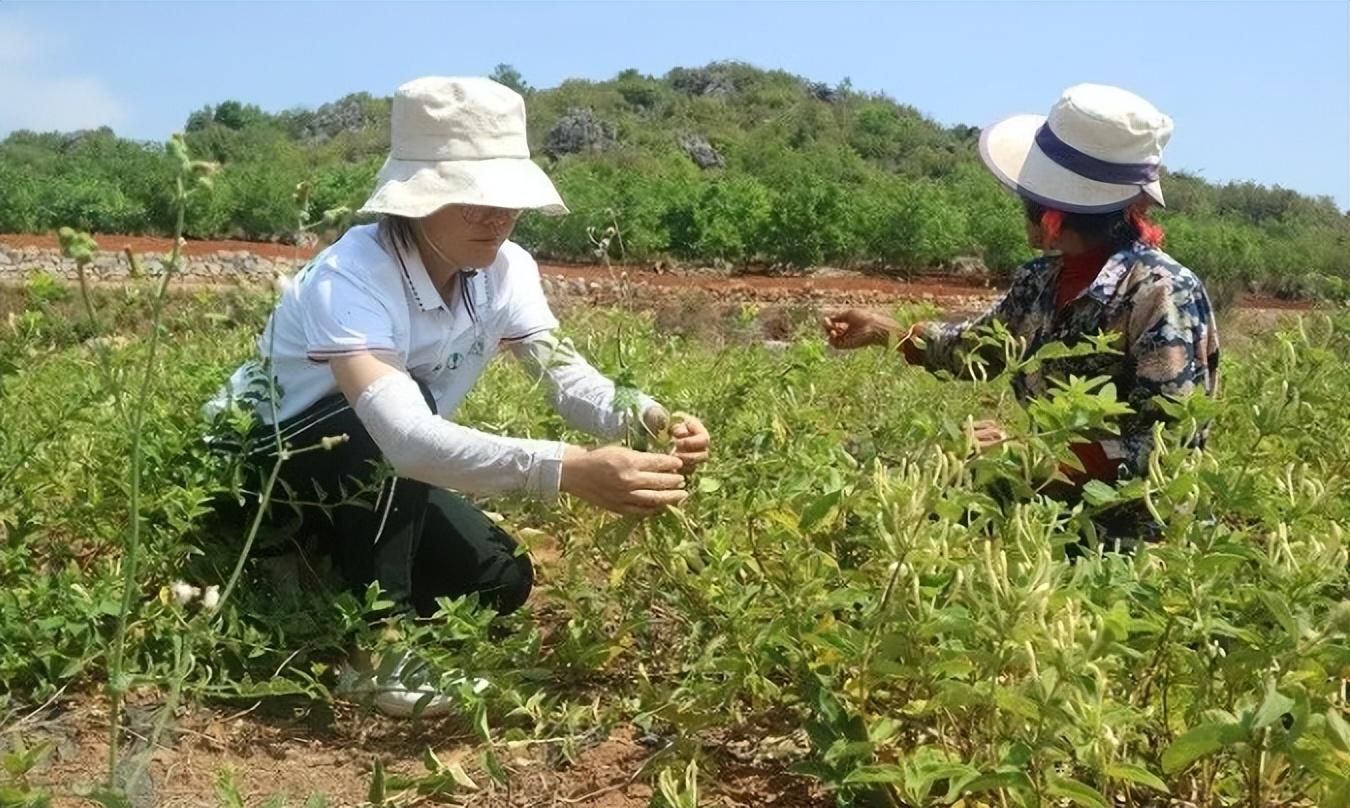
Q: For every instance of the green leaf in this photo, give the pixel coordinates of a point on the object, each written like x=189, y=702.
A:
x=1133, y=773
x=882, y=773
x=1097, y=492
x=1279, y=607
x=15, y=797
x=1338, y=731
x=1005, y=777
x=1074, y=791
x=430, y=761
x=461, y=777
x=1275, y=705
x=377, y=787
x=820, y=508
x=105, y=796
x=1017, y=704
x=955, y=668
x=227, y=791
x=493, y=766
x=316, y=801
x=958, y=776
x=1198, y=742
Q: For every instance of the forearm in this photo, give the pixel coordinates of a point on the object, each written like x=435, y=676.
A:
x=583, y=396
x=425, y=447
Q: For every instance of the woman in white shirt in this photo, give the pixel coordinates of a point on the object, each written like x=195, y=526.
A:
x=383, y=335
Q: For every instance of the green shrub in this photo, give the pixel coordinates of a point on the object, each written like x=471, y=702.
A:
x=813, y=173
x=914, y=224
x=730, y=220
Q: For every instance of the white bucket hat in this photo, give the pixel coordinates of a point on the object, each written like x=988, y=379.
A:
x=1098, y=151
x=459, y=141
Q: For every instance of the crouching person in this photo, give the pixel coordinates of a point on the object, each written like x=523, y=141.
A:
x=383, y=335
x=1087, y=175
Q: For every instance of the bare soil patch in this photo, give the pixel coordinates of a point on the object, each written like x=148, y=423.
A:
x=274, y=751
x=833, y=285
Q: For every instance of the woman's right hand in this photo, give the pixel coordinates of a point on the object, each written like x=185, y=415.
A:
x=622, y=480
x=858, y=328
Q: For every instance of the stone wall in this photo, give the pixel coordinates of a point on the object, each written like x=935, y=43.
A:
x=17, y=263
x=235, y=267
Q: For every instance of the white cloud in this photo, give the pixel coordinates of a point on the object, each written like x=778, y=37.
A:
x=35, y=95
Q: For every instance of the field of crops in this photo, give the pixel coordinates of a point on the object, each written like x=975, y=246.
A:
x=850, y=585
x=854, y=607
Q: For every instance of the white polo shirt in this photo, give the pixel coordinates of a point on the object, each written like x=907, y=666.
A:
x=365, y=293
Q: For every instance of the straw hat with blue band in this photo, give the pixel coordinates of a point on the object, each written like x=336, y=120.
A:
x=1098, y=151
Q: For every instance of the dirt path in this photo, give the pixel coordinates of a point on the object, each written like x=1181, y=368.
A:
x=283, y=750
x=948, y=291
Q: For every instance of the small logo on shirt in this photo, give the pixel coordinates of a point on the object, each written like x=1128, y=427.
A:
x=476, y=349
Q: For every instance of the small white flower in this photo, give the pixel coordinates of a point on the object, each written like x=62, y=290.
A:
x=183, y=592
x=211, y=598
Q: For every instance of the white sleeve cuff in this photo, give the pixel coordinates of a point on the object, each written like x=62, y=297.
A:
x=545, y=478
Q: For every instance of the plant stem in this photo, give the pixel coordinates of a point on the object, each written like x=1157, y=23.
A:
x=116, y=683
x=264, y=498
x=873, y=638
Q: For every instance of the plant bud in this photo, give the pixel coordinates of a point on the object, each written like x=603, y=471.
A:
x=331, y=442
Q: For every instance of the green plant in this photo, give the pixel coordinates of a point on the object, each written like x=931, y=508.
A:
x=18, y=762
x=676, y=793
x=43, y=289
x=941, y=626
x=851, y=178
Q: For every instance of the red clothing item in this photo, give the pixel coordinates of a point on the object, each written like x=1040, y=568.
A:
x=1076, y=274
x=1096, y=465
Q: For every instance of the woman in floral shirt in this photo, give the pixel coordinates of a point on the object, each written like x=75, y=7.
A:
x=1087, y=174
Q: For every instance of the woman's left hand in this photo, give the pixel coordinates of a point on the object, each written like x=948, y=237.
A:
x=691, y=442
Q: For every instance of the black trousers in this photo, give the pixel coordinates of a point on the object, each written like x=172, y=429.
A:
x=419, y=542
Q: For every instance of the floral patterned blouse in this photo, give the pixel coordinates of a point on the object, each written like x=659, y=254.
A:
x=1158, y=311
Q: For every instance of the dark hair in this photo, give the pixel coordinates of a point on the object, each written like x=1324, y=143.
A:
x=396, y=229
x=1116, y=229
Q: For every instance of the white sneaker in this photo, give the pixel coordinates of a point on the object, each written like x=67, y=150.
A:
x=403, y=691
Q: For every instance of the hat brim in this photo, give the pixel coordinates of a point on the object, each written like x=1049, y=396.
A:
x=1009, y=149
x=417, y=188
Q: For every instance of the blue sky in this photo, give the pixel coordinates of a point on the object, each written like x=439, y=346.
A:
x=1259, y=90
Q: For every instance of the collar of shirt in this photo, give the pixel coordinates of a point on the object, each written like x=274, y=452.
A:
x=422, y=288
x=1076, y=274
x=1114, y=271
x=1104, y=287
x=415, y=277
